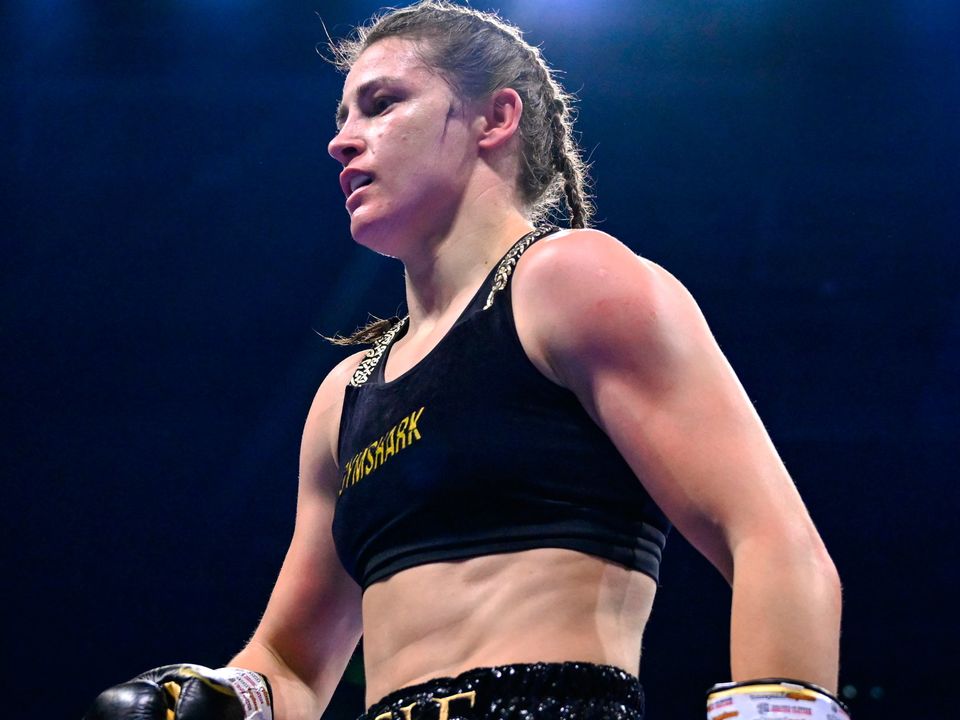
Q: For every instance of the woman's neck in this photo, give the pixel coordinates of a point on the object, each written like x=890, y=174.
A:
x=455, y=264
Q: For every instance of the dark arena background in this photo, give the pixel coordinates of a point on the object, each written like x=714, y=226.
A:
x=174, y=241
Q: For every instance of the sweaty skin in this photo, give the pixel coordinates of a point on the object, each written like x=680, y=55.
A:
x=537, y=605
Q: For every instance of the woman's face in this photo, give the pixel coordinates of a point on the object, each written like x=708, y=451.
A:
x=407, y=147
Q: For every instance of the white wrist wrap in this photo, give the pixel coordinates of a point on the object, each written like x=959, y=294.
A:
x=250, y=688
x=772, y=700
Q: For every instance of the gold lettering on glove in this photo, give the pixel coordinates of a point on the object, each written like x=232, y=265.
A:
x=173, y=690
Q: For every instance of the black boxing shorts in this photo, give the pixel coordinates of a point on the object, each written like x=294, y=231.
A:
x=540, y=691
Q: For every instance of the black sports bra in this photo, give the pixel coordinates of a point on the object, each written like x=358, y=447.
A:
x=473, y=452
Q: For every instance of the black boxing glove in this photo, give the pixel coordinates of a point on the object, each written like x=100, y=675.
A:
x=773, y=699
x=187, y=692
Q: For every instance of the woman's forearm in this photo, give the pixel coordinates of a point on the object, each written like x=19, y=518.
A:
x=786, y=612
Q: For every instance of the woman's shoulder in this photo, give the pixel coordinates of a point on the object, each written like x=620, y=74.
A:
x=577, y=270
x=585, y=293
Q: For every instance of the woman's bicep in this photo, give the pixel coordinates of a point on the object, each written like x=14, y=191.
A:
x=632, y=344
x=695, y=441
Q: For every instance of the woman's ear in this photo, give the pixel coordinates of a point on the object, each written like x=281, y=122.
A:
x=501, y=118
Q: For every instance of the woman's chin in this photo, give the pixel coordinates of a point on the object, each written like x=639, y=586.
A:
x=380, y=237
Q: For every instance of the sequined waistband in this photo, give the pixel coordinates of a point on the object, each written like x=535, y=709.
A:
x=482, y=692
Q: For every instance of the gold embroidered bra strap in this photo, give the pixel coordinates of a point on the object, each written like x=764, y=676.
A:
x=509, y=262
x=372, y=357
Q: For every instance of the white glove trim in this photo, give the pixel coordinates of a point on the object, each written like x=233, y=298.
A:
x=772, y=700
x=250, y=689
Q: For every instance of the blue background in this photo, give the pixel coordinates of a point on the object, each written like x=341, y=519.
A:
x=174, y=239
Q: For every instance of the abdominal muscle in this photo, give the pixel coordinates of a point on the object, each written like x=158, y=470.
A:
x=544, y=605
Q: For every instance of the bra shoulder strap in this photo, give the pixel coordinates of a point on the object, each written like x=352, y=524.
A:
x=509, y=262
x=375, y=353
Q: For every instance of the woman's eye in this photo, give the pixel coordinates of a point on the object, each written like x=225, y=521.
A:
x=381, y=104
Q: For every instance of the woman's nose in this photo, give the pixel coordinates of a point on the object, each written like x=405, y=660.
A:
x=345, y=146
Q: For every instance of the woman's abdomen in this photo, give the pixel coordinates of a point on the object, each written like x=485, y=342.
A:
x=544, y=605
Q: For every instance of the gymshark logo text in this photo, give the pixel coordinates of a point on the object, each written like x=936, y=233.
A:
x=397, y=438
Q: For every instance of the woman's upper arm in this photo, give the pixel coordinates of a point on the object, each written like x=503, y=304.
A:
x=312, y=621
x=632, y=344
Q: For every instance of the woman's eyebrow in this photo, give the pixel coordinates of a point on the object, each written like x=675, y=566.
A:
x=365, y=88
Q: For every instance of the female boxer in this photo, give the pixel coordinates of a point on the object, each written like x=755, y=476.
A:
x=485, y=492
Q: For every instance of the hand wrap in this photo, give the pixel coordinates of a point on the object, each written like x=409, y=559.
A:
x=187, y=692
x=773, y=699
